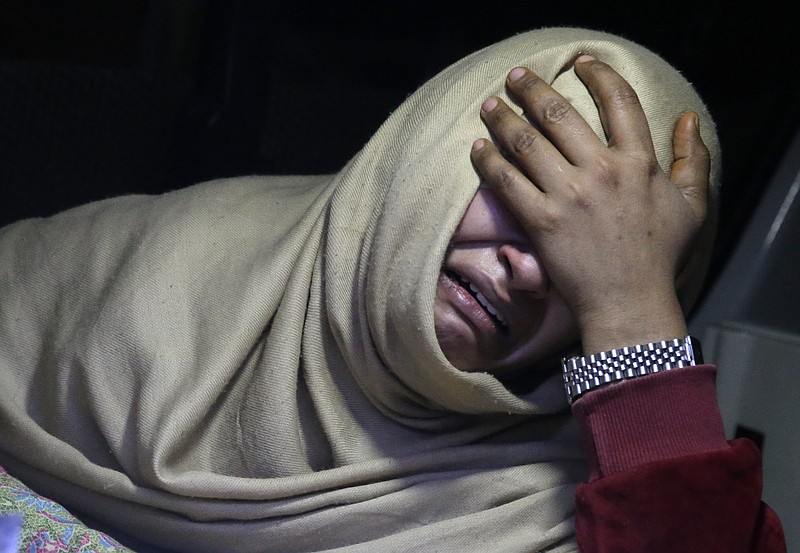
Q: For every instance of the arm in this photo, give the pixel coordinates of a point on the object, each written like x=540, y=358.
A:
x=614, y=232
x=665, y=479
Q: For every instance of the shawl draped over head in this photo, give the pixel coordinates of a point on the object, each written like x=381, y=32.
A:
x=250, y=364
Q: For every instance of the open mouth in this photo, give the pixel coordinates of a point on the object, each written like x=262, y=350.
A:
x=480, y=298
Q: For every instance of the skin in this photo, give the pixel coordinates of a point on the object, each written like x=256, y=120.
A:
x=612, y=229
x=492, y=251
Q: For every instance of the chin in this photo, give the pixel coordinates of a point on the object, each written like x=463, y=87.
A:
x=468, y=359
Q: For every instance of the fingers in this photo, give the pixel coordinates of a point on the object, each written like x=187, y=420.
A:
x=556, y=135
x=620, y=112
x=690, y=170
x=556, y=148
x=526, y=146
x=553, y=115
x=513, y=188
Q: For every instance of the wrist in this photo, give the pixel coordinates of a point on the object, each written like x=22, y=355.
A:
x=632, y=320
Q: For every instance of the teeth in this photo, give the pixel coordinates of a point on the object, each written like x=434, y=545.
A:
x=484, y=302
x=489, y=307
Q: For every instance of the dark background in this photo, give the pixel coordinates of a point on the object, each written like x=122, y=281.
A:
x=100, y=98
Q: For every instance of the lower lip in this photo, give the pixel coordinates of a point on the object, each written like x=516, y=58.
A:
x=468, y=306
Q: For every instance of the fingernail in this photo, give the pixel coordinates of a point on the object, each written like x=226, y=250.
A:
x=478, y=144
x=489, y=104
x=583, y=58
x=516, y=73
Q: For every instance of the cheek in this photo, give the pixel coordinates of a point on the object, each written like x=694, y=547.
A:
x=558, y=331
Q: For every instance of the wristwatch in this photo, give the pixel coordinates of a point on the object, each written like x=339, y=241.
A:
x=582, y=374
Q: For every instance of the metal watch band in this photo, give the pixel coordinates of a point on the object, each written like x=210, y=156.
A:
x=582, y=374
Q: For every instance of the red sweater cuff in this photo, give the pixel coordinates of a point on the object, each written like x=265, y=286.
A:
x=652, y=418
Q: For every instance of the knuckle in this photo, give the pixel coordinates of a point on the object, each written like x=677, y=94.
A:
x=555, y=110
x=505, y=178
x=549, y=218
x=702, y=153
x=524, y=142
x=623, y=96
x=577, y=196
x=604, y=171
x=698, y=196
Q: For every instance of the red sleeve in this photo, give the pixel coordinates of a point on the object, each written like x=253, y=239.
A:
x=663, y=478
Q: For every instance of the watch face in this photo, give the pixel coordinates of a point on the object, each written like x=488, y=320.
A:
x=694, y=351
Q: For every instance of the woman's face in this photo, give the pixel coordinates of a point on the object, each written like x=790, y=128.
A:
x=495, y=309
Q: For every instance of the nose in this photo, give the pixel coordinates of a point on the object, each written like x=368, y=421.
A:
x=524, y=270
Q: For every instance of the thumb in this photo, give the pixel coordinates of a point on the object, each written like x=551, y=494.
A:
x=690, y=170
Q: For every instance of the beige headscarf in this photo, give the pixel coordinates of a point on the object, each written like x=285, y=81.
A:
x=250, y=365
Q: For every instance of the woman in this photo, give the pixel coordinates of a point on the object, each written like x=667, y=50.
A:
x=302, y=364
